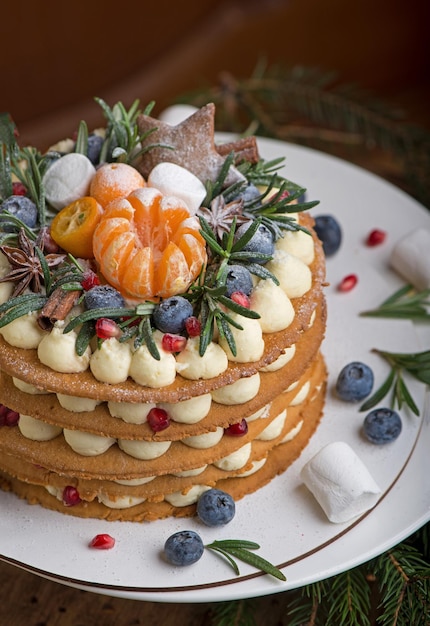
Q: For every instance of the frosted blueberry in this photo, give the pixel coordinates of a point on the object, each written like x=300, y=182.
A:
x=238, y=279
x=169, y=316
x=183, y=548
x=20, y=207
x=103, y=296
x=354, y=382
x=382, y=426
x=215, y=507
x=329, y=231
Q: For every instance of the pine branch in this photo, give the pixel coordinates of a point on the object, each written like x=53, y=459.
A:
x=235, y=613
x=306, y=106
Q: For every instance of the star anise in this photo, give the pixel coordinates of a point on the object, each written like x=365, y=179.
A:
x=220, y=215
x=25, y=267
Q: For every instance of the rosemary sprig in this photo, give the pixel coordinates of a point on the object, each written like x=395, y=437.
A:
x=416, y=364
x=241, y=549
x=405, y=303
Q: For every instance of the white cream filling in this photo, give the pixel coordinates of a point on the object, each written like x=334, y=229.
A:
x=293, y=432
x=36, y=430
x=188, y=411
x=75, y=404
x=121, y=502
x=249, y=341
x=294, y=276
x=255, y=466
x=144, y=450
x=57, y=351
x=302, y=394
x=87, y=444
x=275, y=428
x=240, y=391
x=28, y=387
x=299, y=244
x=189, y=497
x=110, y=363
x=192, y=366
x=273, y=305
x=282, y=360
x=150, y=372
x=192, y=472
x=24, y=332
x=6, y=289
x=134, y=482
x=236, y=460
x=207, y=440
x=263, y=413
x=130, y=412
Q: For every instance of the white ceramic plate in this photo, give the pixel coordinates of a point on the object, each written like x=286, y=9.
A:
x=283, y=517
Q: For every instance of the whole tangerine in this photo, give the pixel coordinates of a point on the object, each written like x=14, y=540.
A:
x=115, y=180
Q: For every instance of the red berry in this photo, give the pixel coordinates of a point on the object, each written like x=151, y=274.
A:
x=348, y=282
x=49, y=245
x=376, y=237
x=237, y=430
x=71, y=496
x=103, y=541
x=158, y=419
x=8, y=417
x=19, y=189
x=107, y=328
x=173, y=343
x=89, y=280
x=193, y=326
x=240, y=298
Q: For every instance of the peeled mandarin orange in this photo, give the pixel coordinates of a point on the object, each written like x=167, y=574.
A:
x=148, y=246
x=114, y=180
x=73, y=227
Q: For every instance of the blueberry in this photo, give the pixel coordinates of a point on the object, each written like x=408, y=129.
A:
x=354, y=382
x=103, y=296
x=21, y=207
x=250, y=193
x=238, y=279
x=169, y=316
x=95, y=143
x=215, y=507
x=262, y=241
x=183, y=548
x=382, y=426
x=328, y=230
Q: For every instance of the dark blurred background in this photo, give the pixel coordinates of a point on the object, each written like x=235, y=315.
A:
x=55, y=57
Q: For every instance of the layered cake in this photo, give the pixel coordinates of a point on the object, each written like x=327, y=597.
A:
x=161, y=319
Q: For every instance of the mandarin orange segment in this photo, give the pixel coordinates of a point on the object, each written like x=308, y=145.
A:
x=173, y=274
x=138, y=278
x=115, y=180
x=73, y=227
x=147, y=247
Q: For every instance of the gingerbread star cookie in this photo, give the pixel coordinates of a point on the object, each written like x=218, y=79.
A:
x=190, y=144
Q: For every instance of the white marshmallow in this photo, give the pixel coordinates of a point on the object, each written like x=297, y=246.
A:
x=177, y=113
x=340, y=482
x=174, y=180
x=410, y=258
x=68, y=179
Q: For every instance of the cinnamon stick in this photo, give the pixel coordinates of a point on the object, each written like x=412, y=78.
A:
x=58, y=305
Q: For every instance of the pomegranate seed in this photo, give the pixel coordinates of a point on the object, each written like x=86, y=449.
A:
x=19, y=189
x=158, y=419
x=348, y=282
x=103, y=541
x=376, y=237
x=193, y=326
x=237, y=430
x=107, y=328
x=173, y=343
x=71, y=496
x=89, y=280
x=240, y=298
x=8, y=417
